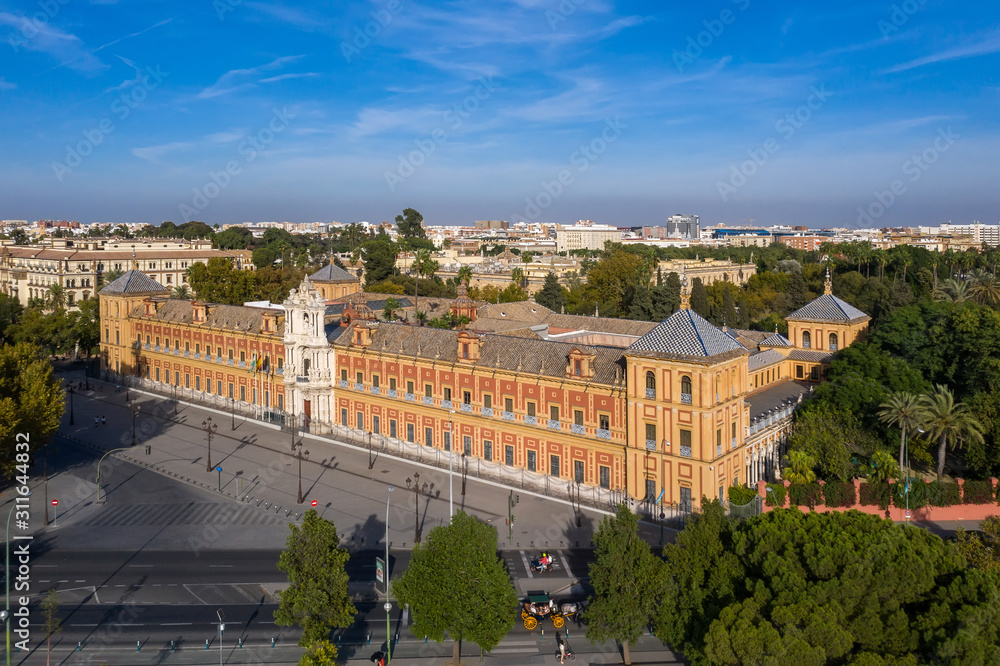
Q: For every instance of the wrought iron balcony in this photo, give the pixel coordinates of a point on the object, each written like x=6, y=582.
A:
x=554, y=424
x=487, y=411
x=467, y=408
x=531, y=420
x=391, y=393
x=651, y=393
x=446, y=404
x=686, y=398
x=578, y=429
x=686, y=451
x=428, y=400
x=650, y=444
x=507, y=416
x=603, y=434
x=343, y=383
x=408, y=396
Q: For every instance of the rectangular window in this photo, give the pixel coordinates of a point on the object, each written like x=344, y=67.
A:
x=447, y=441
x=554, y=465
x=578, y=417
x=447, y=394
x=219, y=384
x=281, y=402
x=157, y=374
x=376, y=425
x=392, y=428
x=605, y=421
x=508, y=404
x=392, y=383
x=409, y=433
x=576, y=367
x=359, y=377
x=187, y=346
x=197, y=348
x=467, y=445
x=375, y=380
x=187, y=380
x=360, y=420
x=219, y=350
x=243, y=357
x=605, y=474
x=409, y=387
x=553, y=413
x=578, y=471
x=532, y=461
x=531, y=408
x=718, y=437
x=243, y=394
x=686, y=438
x=487, y=450
x=508, y=456
x=267, y=399
x=488, y=401
x=177, y=378
x=429, y=436
x=230, y=354
x=650, y=432
x=799, y=372
x=466, y=397
x=465, y=350
x=343, y=374
x=650, y=490
x=734, y=433
x=343, y=416
x=231, y=390
x=428, y=390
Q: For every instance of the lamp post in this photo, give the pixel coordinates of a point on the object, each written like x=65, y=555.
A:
x=663, y=486
x=371, y=463
x=210, y=429
x=6, y=613
x=232, y=407
x=297, y=448
x=71, y=421
x=45, y=478
x=135, y=407
x=174, y=387
x=465, y=469
x=451, y=466
x=417, y=490
x=388, y=606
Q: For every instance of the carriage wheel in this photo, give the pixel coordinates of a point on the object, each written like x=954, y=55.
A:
x=530, y=623
x=524, y=614
x=558, y=621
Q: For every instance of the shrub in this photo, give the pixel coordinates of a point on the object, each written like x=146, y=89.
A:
x=874, y=494
x=839, y=494
x=944, y=493
x=741, y=495
x=919, y=494
x=977, y=492
x=777, y=495
x=805, y=494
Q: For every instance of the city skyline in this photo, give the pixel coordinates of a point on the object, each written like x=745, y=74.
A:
x=623, y=113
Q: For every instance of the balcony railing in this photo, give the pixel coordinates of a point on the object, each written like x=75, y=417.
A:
x=376, y=390
x=146, y=346
x=280, y=370
x=686, y=398
x=428, y=400
x=408, y=396
x=243, y=364
x=507, y=416
x=301, y=380
x=343, y=383
x=718, y=449
x=603, y=434
x=229, y=361
x=391, y=393
x=531, y=420
x=446, y=404
x=733, y=445
x=156, y=347
x=358, y=386
x=197, y=355
x=187, y=354
x=467, y=408
x=487, y=411
x=554, y=424
x=578, y=429
x=650, y=444
x=651, y=393
x=686, y=451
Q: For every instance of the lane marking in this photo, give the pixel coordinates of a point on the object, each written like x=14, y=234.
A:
x=176, y=624
x=527, y=565
x=142, y=566
x=565, y=563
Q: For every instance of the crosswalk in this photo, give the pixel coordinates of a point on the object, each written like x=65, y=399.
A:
x=190, y=513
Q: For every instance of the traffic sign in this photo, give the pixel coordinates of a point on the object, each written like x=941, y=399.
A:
x=380, y=570
x=314, y=502
x=55, y=502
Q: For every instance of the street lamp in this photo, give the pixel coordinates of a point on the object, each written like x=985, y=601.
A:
x=417, y=490
x=222, y=627
x=210, y=429
x=71, y=421
x=174, y=387
x=371, y=463
x=388, y=606
x=135, y=407
x=297, y=448
x=232, y=406
x=451, y=465
x=6, y=612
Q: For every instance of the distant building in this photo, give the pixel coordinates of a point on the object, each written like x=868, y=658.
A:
x=684, y=227
x=585, y=237
x=492, y=224
x=808, y=243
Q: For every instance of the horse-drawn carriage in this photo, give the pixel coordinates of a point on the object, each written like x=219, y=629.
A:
x=540, y=606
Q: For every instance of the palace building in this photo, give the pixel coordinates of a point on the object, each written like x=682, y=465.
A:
x=669, y=412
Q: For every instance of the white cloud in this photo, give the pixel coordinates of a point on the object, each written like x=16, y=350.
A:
x=42, y=37
x=239, y=79
x=155, y=153
x=6, y=85
x=285, y=77
x=986, y=45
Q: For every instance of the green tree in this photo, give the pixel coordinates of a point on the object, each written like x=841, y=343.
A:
x=513, y=293
x=317, y=598
x=699, y=299
x=729, y=316
x=904, y=411
x=623, y=576
x=50, y=620
x=411, y=224
x=981, y=549
x=322, y=653
x=614, y=281
x=800, y=468
x=551, y=294
x=464, y=274
x=379, y=257
x=457, y=587
x=389, y=309
x=56, y=297
x=31, y=402
x=10, y=314
x=883, y=468
x=948, y=422
x=420, y=259
x=263, y=256
x=518, y=277
x=85, y=325
x=181, y=292
x=798, y=294
x=831, y=437
x=233, y=238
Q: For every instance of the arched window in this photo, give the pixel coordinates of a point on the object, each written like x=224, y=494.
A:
x=650, y=384
x=833, y=342
x=806, y=340
x=686, y=390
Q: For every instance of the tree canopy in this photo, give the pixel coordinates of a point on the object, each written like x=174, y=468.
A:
x=457, y=587
x=411, y=224
x=845, y=588
x=31, y=401
x=316, y=598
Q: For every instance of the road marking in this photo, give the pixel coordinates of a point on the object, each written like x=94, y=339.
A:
x=84, y=625
x=217, y=566
x=195, y=595
x=64, y=580
x=527, y=565
x=46, y=566
x=175, y=624
x=82, y=580
x=565, y=563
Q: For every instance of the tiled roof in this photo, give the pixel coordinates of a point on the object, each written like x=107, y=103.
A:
x=776, y=396
x=516, y=354
x=828, y=308
x=133, y=282
x=601, y=324
x=686, y=333
x=777, y=340
x=810, y=355
x=220, y=317
x=527, y=311
x=332, y=273
x=763, y=359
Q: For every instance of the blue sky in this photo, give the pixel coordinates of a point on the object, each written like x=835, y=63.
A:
x=545, y=110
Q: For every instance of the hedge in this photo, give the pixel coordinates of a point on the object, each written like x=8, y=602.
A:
x=805, y=494
x=839, y=494
x=977, y=492
x=741, y=495
x=777, y=495
x=919, y=495
x=944, y=493
x=874, y=494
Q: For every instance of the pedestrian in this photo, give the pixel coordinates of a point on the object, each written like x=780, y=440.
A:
x=97, y=421
x=562, y=649
x=104, y=420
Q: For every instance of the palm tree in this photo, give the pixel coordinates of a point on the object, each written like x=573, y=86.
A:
x=904, y=411
x=883, y=468
x=517, y=277
x=181, y=292
x=108, y=277
x=420, y=257
x=800, y=468
x=56, y=296
x=952, y=290
x=985, y=286
x=949, y=422
x=465, y=275
x=391, y=305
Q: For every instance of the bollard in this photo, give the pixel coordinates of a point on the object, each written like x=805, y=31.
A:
x=79, y=646
x=138, y=646
x=206, y=643
x=369, y=639
x=272, y=641
x=425, y=639
x=241, y=642
x=171, y=646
